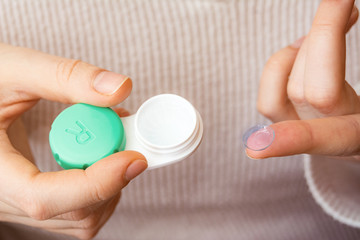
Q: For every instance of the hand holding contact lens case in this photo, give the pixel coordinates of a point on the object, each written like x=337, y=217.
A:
x=165, y=129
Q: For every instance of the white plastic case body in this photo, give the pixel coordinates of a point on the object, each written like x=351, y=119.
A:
x=165, y=129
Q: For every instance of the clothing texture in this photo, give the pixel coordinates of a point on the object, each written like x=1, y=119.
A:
x=212, y=53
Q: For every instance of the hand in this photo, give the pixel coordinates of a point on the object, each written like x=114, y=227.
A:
x=73, y=202
x=306, y=89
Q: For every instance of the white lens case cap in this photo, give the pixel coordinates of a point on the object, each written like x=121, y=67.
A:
x=165, y=129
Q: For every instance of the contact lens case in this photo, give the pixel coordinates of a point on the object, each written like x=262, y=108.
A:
x=165, y=129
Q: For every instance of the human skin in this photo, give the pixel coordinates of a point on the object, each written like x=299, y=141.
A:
x=74, y=202
x=304, y=91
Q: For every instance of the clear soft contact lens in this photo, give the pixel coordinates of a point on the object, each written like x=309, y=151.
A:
x=258, y=137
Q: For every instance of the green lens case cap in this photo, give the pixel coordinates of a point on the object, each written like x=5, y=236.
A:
x=83, y=134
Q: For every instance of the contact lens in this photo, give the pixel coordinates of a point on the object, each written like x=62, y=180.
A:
x=258, y=137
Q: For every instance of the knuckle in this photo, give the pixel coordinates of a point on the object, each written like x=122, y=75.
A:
x=98, y=190
x=323, y=101
x=310, y=138
x=273, y=112
x=65, y=69
x=31, y=203
x=98, y=193
x=296, y=95
x=297, y=99
x=34, y=209
x=265, y=110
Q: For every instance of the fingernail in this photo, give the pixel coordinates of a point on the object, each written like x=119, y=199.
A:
x=298, y=43
x=258, y=138
x=135, y=168
x=108, y=82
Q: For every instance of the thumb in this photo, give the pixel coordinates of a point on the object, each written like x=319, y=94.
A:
x=333, y=136
x=55, y=78
x=54, y=193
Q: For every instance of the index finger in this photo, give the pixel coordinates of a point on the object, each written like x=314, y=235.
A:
x=40, y=75
x=333, y=136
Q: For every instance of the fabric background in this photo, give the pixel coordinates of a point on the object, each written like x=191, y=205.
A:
x=212, y=53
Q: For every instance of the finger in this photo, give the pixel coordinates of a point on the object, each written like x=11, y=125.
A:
x=13, y=213
x=19, y=139
x=333, y=136
x=46, y=224
x=325, y=61
x=68, y=221
x=81, y=214
x=91, y=226
x=8, y=209
x=53, y=193
x=103, y=217
x=44, y=195
x=34, y=74
x=273, y=100
x=49, y=224
x=353, y=18
x=122, y=112
x=296, y=80
x=16, y=169
x=295, y=87
x=109, y=212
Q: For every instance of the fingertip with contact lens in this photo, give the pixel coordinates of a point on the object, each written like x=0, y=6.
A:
x=258, y=137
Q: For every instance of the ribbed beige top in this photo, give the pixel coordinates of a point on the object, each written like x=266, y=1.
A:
x=211, y=52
